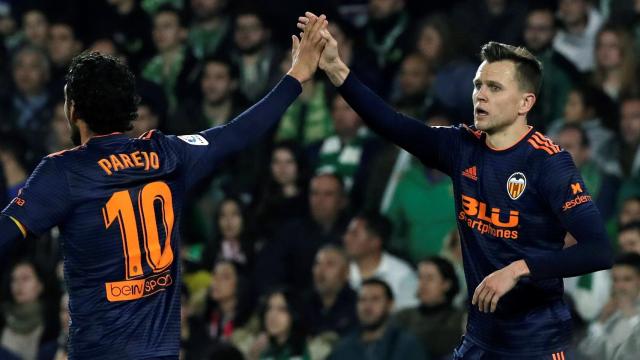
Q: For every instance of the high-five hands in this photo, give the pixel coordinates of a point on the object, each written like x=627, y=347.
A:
x=305, y=52
x=330, y=61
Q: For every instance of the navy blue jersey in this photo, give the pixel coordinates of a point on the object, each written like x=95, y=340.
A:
x=117, y=202
x=511, y=204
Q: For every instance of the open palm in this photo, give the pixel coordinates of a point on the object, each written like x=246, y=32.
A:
x=330, y=54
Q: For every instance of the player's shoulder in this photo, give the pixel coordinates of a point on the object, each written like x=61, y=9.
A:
x=191, y=139
x=542, y=148
x=470, y=131
x=65, y=153
x=151, y=134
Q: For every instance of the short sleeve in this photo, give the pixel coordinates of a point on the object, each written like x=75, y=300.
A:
x=44, y=201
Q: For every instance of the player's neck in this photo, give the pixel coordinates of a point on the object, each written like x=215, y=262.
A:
x=508, y=136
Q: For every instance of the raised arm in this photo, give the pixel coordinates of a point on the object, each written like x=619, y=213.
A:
x=213, y=144
x=410, y=134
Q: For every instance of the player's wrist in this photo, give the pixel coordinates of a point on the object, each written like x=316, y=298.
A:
x=337, y=72
x=519, y=269
x=298, y=74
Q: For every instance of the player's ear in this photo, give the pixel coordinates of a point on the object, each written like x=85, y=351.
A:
x=526, y=103
x=73, y=115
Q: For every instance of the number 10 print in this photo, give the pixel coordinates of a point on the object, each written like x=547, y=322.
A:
x=120, y=207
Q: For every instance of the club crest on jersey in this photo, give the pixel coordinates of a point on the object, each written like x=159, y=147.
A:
x=194, y=140
x=516, y=184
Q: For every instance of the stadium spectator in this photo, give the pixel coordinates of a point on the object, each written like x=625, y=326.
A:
x=211, y=30
x=616, y=67
x=128, y=25
x=62, y=46
x=233, y=241
x=576, y=40
x=622, y=152
x=229, y=304
x=620, y=314
x=256, y=57
x=61, y=352
x=331, y=305
x=28, y=109
x=285, y=192
x=216, y=102
x=172, y=66
x=558, y=73
x=353, y=52
x=630, y=348
x=28, y=325
x=591, y=109
x=490, y=20
x=150, y=92
x=35, y=28
x=377, y=337
x=452, y=251
x=365, y=242
x=629, y=237
x=284, y=334
x=435, y=322
x=7, y=22
x=308, y=119
x=419, y=231
x=441, y=44
x=148, y=119
x=386, y=35
x=573, y=138
x=629, y=210
x=60, y=137
x=415, y=79
x=13, y=163
x=288, y=258
x=347, y=153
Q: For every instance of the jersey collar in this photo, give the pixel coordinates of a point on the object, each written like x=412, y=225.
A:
x=107, y=137
x=522, y=139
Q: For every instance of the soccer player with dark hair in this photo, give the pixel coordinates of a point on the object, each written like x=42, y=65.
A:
x=117, y=202
x=517, y=195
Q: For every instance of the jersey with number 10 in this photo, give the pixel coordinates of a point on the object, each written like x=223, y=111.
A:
x=117, y=202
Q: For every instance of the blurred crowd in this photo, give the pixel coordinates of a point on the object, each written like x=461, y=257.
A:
x=323, y=240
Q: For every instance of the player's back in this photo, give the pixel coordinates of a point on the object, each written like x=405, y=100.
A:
x=120, y=243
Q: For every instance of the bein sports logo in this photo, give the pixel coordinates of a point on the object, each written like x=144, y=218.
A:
x=139, y=288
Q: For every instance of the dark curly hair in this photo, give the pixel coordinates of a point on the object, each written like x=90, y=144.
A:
x=103, y=92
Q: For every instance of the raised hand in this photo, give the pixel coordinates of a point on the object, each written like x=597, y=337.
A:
x=305, y=52
x=330, y=61
x=330, y=54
